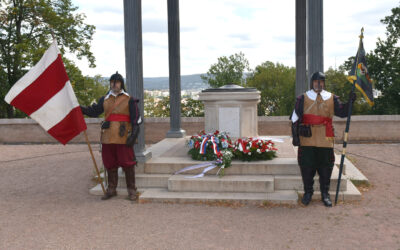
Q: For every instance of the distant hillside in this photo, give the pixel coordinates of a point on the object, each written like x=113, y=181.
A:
x=188, y=82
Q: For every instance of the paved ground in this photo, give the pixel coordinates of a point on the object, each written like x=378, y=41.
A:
x=45, y=204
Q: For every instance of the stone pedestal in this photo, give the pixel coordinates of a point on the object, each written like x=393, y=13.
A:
x=231, y=109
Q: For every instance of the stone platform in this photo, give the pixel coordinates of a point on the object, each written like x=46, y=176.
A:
x=274, y=181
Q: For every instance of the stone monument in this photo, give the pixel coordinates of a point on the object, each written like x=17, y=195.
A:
x=231, y=108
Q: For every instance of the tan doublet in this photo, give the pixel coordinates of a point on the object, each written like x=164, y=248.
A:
x=111, y=134
x=318, y=107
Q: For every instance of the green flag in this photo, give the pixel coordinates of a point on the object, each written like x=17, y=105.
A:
x=359, y=74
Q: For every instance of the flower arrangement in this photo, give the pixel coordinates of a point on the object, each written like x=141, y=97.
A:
x=218, y=149
x=211, y=147
x=254, y=149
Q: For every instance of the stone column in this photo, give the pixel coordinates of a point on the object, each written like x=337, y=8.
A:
x=174, y=70
x=134, y=65
x=301, y=47
x=315, y=39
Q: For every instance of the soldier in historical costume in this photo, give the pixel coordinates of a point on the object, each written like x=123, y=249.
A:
x=313, y=132
x=119, y=132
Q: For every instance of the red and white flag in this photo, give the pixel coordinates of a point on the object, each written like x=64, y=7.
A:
x=46, y=95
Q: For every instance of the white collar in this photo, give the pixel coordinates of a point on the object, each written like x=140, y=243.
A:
x=113, y=94
x=313, y=95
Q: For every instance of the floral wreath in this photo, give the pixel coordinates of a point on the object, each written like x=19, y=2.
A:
x=218, y=148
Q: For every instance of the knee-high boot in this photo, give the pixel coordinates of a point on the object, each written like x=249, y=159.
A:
x=325, y=174
x=130, y=183
x=112, y=175
x=307, y=174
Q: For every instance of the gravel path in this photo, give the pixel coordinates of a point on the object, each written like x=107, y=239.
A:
x=45, y=204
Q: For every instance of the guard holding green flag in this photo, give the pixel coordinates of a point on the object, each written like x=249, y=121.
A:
x=359, y=77
x=312, y=131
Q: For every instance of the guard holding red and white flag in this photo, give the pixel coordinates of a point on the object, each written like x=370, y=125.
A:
x=119, y=132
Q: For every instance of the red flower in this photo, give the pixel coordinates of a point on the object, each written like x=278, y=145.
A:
x=197, y=144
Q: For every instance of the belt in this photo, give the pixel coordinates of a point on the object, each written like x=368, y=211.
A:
x=118, y=118
x=320, y=120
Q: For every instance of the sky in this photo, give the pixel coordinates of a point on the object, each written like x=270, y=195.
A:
x=264, y=30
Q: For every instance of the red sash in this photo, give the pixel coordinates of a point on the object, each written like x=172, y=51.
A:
x=318, y=120
x=118, y=118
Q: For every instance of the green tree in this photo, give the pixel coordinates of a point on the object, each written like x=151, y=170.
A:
x=87, y=89
x=192, y=108
x=276, y=82
x=337, y=83
x=148, y=103
x=26, y=29
x=384, y=67
x=227, y=70
x=161, y=107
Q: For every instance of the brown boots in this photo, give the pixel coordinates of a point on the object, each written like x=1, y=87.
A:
x=130, y=183
x=113, y=182
x=112, y=175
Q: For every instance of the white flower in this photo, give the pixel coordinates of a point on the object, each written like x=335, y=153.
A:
x=249, y=153
x=259, y=151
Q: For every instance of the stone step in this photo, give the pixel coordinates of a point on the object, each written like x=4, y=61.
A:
x=350, y=194
x=228, y=183
x=288, y=182
x=121, y=191
x=277, y=166
x=292, y=182
x=146, y=180
x=163, y=195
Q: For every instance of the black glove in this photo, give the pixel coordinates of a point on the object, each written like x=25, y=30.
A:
x=105, y=124
x=352, y=97
x=132, y=136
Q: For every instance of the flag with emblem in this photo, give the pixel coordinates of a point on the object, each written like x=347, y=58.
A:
x=360, y=76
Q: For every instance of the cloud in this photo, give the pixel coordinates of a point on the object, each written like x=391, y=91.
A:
x=244, y=12
x=108, y=9
x=155, y=25
x=241, y=36
x=262, y=30
x=110, y=27
x=285, y=39
x=246, y=45
x=150, y=43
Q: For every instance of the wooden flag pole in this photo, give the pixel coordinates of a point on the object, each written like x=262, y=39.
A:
x=94, y=162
